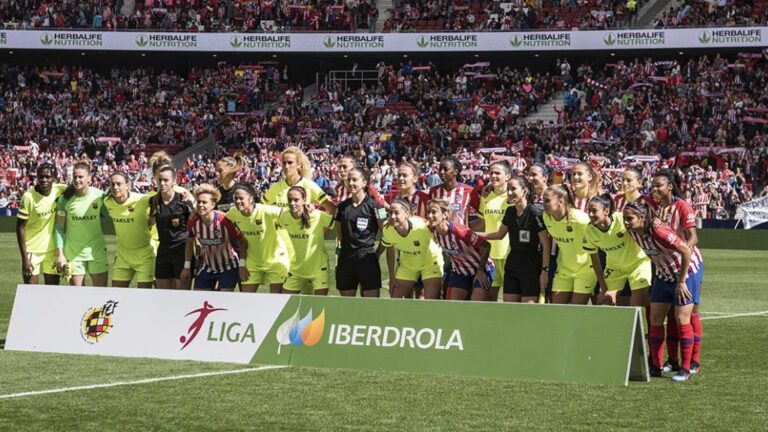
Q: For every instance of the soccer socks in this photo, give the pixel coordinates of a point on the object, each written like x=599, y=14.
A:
x=686, y=345
x=656, y=342
x=697, y=332
x=673, y=337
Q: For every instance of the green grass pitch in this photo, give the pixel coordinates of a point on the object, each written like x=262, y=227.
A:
x=729, y=395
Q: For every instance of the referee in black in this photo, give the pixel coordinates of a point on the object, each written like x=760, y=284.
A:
x=527, y=265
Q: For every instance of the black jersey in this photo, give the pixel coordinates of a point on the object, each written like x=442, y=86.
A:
x=227, y=198
x=524, y=254
x=171, y=223
x=359, y=227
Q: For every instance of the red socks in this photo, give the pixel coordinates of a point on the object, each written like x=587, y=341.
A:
x=656, y=342
x=686, y=345
x=673, y=337
x=697, y=332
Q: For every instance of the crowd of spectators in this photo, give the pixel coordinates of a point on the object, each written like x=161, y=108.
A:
x=706, y=116
x=479, y=15
x=719, y=13
x=192, y=15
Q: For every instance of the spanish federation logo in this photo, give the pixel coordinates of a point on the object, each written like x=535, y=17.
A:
x=197, y=324
x=304, y=331
x=97, y=322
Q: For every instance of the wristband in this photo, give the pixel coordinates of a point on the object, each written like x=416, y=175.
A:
x=187, y=264
x=545, y=269
x=241, y=261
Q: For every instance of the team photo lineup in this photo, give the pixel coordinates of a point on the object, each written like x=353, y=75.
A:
x=513, y=231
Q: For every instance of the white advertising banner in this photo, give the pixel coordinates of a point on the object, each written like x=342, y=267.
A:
x=733, y=37
x=188, y=325
x=753, y=213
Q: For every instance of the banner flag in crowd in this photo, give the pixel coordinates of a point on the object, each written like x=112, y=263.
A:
x=753, y=213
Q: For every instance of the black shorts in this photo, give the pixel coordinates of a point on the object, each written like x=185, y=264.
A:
x=364, y=271
x=522, y=284
x=169, y=270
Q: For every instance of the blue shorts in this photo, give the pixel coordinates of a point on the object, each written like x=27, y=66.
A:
x=664, y=291
x=468, y=282
x=207, y=281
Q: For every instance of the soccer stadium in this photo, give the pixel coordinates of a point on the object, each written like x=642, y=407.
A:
x=539, y=215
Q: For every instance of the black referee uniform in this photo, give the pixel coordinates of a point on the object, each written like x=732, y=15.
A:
x=171, y=220
x=358, y=263
x=523, y=266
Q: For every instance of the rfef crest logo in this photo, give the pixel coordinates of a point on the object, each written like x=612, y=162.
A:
x=97, y=322
x=305, y=331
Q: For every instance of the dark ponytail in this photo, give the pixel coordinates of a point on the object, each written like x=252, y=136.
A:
x=671, y=177
x=605, y=200
x=527, y=185
x=364, y=174
x=644, y=210
x=125, y=177
x=154, y=208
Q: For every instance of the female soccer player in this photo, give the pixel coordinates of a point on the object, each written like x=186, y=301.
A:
x=420, y=256
x=309, y=271
x=358, y=221
x=34, y=227
x=625, y=261
x=471, y=272
x=169, y=212
x=527, y=264
x=585, y=183
x=215, y=237
x=226, y=170
x=80, y=246
x=574, y=280
x=407, y=177
x=681, y=218
x=129, y=212
x=631, y=184
x=342, y=191
x=296, y=172
x=493, y=206
x=263, y=255
x=678, y=282
x=538, y=175
x=459, y=195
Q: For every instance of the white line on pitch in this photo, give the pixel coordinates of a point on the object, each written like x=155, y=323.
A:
x=763, y=313
x=137, y=382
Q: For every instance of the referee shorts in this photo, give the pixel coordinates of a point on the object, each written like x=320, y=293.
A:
x=364, y=271
x=134, y=262
x=525, y=284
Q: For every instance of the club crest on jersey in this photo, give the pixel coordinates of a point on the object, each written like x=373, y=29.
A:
x=569, y=228
x=456, y=207
x=131, y=209
x=620, y=235
x=95, y=205
x=258, y=221
x=416, y=243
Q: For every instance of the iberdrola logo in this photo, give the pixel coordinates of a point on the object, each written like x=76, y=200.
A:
x=304, y=331
x=141, y=41
x=516, y=41
x=705, y=37
x=610, y=39
x=235, y=42
x=329, y=42
x=422, y=42
x=46, y=39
